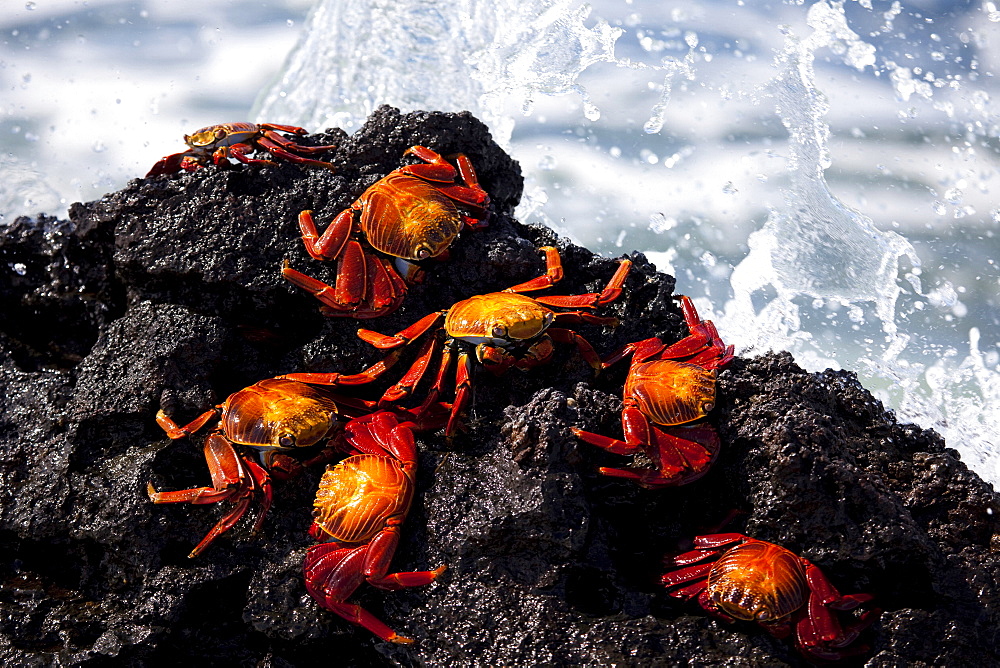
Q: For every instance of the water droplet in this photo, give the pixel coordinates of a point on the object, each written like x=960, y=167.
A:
x=19, y=268
x=98, y=147
x=730, y=189
x=30, y=6
x=659, y=222
x=547, y=163
x=652, y=126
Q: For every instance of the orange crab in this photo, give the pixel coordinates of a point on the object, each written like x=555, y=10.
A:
x=668, y=386
x=271, y=416
x=507, y=329
x=413, y=214
x=359, y=509
x=236, y=140
x=735, y=577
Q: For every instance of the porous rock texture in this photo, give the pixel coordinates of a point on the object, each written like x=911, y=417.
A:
x=168, y=295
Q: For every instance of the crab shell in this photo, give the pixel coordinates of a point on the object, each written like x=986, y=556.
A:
x=408, y=218
x=224, y=134
x=670, y=392
x=278, y=414
x=358, y=495
x=498, y=319
x=758, y=581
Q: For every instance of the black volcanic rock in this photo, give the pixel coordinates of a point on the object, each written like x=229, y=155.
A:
x=168, y=295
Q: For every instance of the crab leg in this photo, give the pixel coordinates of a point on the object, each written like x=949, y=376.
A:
x=381, y=433
x=332, y=573
x=290, y=129
x=232, y=476
x=290, y=145
x=576, y=317
x=463, y=391
x=587, y=351
x=470, y=196
x=404, y=387
x=168, y=164
x=332, y=297
x=685, y=576
x=331, y=243
x=610, y=293
x=238, y=152
x=438, y=386
x=259, y=482
x=351, y=274
x=680, y=460
x=412, y=332
x=174, y=432
x=224, y=465
x=553, y=273
x=387, y=287
x=276, y=149
x=437, y=169
x=713, y=541
x=368, y=375
x=824, y=597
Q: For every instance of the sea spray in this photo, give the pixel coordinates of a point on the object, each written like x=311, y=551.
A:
x=815, y=255
x=677, y=152
x=491, y=58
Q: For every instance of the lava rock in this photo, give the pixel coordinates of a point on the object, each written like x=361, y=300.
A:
x=168, y=294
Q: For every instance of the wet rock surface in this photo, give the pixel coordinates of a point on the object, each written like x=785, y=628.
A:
x=168, y=295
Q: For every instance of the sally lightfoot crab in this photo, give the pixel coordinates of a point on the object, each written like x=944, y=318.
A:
x=735, y=577
x=359, y=510
x=218, y=143
x=503, y=329
x=412, y=214
x=668, y=386
x=271, y=416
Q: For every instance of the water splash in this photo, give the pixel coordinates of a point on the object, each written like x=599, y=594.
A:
x=24, y=190
x=490, y=58
x=814, y=245
x=821, y=278
x=815, y=255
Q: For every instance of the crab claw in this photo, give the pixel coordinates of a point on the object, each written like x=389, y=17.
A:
x=168, y=164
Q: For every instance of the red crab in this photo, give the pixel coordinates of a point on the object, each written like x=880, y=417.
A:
x=359, y=509
x=668, y=386
x=217, y=143
x=735, y=577
x=505, y=329
x=413, y=214
x=270, y=416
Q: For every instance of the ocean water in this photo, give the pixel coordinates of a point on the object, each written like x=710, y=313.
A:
x=820, y=176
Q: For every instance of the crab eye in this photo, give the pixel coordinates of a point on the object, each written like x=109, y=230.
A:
x=548, y=318
x=220, y=133
x=286, y=440
x=498, y=331
x=423, y=253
